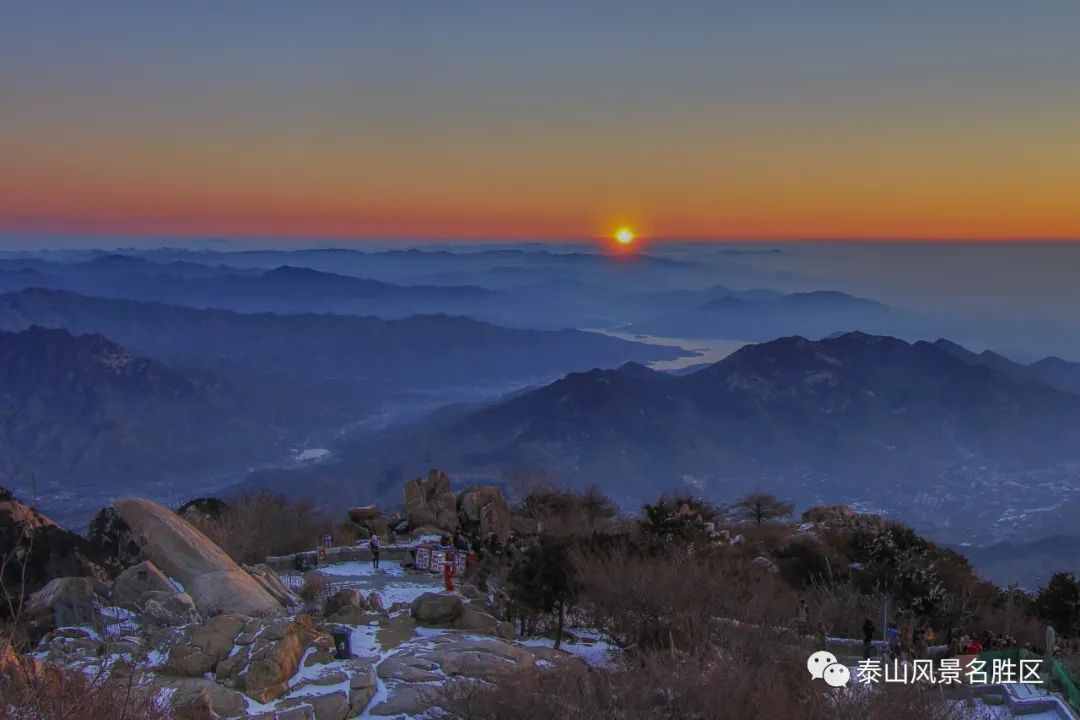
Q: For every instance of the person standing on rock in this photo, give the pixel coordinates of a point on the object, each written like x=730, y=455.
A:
x=373, y=545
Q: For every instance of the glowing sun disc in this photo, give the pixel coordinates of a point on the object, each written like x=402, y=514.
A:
x=624, y=236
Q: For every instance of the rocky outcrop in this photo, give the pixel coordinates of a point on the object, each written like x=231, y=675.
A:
x=362, y=686
x=841, y=516
x=349, y=597
x=483, y=623
x=169, y=609
x=203, y=699
x=132, y=584
x=414, y=675
x=450, y=611
x=39, y=550
x=275, y=655
x=64, y=602
x=486, y=659
x=214, y=581
x=430, y=501
x=206, y=646
x=484, y=512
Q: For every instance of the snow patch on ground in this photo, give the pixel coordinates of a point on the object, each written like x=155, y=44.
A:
x=590, y=647
x=364, y=641
x=393, y=594
x=363, y=568
x=391, y=581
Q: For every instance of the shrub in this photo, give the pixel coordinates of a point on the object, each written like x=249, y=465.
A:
x=314, y=587
x=31, y=690
x=679, y=519
x=752, y=679
x=567, y=513
x=670, y=598
x=260, y=524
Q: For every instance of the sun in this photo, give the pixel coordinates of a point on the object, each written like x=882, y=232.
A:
x=624, y=236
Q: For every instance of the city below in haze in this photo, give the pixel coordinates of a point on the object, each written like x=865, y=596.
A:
x=365, y=360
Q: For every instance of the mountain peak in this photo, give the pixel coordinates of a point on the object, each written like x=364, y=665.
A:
x=637, y=370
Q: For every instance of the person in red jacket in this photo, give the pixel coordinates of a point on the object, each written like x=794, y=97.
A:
x=448, y=570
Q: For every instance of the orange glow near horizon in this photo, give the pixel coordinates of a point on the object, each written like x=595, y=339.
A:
x=565, y=187
x=542, y=121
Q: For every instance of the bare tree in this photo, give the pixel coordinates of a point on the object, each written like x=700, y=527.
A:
x=762, y=507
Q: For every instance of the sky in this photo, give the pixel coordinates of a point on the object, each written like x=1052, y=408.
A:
x=496, y=120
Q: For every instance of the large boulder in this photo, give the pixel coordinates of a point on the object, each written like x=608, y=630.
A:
x=212, y=578
x=207, y=646
x=64, y=602
x=276, y=654
x=323, y=706
x=131, y=585
x=484, y=659
x=413, y=677
x=430, y=501
x=484, y=512
x=437, y=609
x=169, y=609
x=482, y=623
x=344, y=599
x=202, y=699
x=272, y=584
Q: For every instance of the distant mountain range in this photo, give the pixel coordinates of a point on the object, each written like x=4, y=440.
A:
x=764, y=315
x=517, y=288
x=286, y=288
x=79, y=413
x=910, y=429
x=374, y=356
x=514, y=288
x=214, y=392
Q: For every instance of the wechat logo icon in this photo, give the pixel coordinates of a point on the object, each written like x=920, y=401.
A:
x=822, y=665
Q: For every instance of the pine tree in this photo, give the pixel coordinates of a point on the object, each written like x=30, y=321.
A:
x=544, y=580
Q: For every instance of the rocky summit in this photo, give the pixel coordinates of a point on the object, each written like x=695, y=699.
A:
x=212, y=578
x=209, y=638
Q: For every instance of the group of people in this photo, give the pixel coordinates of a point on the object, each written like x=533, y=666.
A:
x=965, y=644
x=912, y=641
